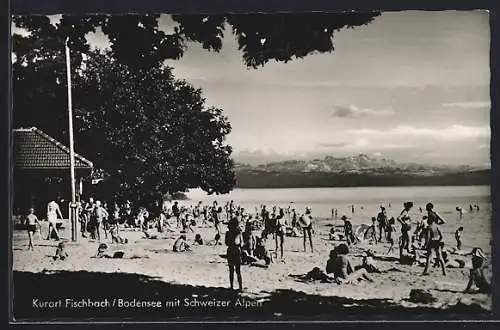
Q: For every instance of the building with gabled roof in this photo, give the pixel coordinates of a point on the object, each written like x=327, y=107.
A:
x=41, y=167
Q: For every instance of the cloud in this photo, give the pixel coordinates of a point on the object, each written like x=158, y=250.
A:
x=472, y=104
x=352, y=111
x=454, y=132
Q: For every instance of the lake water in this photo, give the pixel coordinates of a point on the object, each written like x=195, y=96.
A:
x=367, y=200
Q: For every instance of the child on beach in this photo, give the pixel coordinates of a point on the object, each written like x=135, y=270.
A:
x=476, y=276
x=31, y=223
x=233, y=242
x=458, y=237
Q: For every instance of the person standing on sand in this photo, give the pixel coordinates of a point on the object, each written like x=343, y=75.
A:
x=405, y=220
x=86, y=212
x=348, y=231
x=352, y=209
x=433, y=215
x=458, y=237
x=382, y=223
x=233, y=240
x=476, y=275
x=305, y=222
x=280, y=232
x=434, y=244
x=53, y=212
x=391, y=229
x=176, y=212
x=31, y=223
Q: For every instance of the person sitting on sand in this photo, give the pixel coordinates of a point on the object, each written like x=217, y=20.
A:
x=340, y=267
x=458, y=237
x=115, y=234
x=198, y=240
x=61, y=252
x=101, y=250
x=434, y=240
x=31, y=223
x=476, y=275
x=180, y=244
x=368, y=263
x=261, y=252
x=233, y=242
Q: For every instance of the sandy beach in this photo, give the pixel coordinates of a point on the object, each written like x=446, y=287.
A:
x=205, y=270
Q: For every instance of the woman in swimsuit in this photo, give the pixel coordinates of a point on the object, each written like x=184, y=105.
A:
x=53, y=212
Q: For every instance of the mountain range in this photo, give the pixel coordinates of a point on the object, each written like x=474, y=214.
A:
x=359, y=170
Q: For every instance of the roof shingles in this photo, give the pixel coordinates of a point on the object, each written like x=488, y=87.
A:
x=33, y=149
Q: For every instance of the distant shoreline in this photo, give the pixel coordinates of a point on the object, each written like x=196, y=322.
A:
x=255, y=179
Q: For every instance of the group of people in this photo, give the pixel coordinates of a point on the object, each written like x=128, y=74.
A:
x=248, y=231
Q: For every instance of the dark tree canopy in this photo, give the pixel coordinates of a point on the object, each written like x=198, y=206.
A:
x=137, y=41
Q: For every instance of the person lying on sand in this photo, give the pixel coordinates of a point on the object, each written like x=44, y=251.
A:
x=180, y=244
x=476, y=275
x=61, y=252
x=316, y=274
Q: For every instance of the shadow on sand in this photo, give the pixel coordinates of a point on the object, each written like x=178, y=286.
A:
x=277, y=305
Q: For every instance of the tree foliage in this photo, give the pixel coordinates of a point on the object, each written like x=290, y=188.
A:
x=137, y=41
x=152, y=133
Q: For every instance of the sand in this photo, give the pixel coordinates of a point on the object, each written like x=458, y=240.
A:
x=205, y=267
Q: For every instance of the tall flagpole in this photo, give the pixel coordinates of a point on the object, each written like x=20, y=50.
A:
x=71, y=148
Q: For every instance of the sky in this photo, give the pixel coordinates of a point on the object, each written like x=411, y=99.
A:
x=411, y=86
